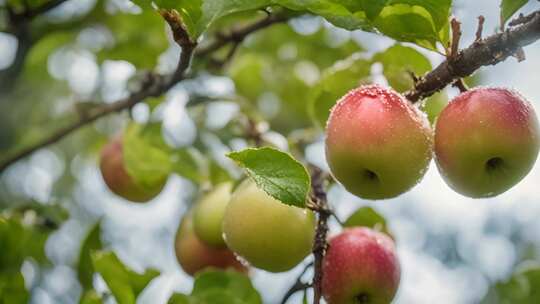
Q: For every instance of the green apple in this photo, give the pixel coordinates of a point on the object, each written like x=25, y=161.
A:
x=117, y=178
x=267, y=233
x=378, y=145
x=360, y=267
x=486, y=141
x=208, y=215
x=194, y=255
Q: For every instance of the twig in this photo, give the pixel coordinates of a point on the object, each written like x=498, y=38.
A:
x=298, y=285
x=480, y=28
x=319, y=204
x=456, y=36
x=460, y=84
x=488, y=51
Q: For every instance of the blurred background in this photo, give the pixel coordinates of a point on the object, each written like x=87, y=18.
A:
x=452, y=249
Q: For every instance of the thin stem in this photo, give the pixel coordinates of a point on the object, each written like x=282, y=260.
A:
x=298, y=285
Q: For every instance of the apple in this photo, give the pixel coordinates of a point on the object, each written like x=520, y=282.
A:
x=194, y=255
x=486, y=141
x=378, y=145
x=117, y=178
x=208, y=215
x=360, y=266
x=267, y=233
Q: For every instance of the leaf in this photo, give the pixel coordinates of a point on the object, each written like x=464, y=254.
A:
x=434, y=105
x=147, y=157
x=510, y=7
x=337, y=80
x=124, y=284
x=12, y=289
x=367, y=217
x=276, y=172
x=236, y=286
x=398, y=61
x=90, y=297
x=186, y=164
x=178, y=298
x=85, y=268
x=522, y=288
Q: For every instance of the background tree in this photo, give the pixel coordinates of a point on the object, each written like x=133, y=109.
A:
x=178, y=85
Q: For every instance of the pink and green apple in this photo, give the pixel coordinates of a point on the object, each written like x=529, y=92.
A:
x=378, y=144
x=486, y=141
x=117, y=178
x=360, y=267
x=265, y=232
x=194, y=255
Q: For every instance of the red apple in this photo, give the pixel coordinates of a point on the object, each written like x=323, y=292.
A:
x=360, y=266
x=117, y=178
x=378, y=144
x=194, y=255
x=486, y=141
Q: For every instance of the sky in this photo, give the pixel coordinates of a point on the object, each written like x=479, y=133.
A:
x=450, y=247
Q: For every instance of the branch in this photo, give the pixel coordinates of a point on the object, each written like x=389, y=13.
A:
x=155, y=85
x=298, y=285
x=487, y=51
x=42, y=9
x=319, y=204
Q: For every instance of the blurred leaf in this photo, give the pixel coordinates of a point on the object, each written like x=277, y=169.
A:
x=124, y=284
x=434, y=105
x=18, y=242
x=12, y=289
x=510, y=7
x=147, y=157
x=217, y=286
x=85, y=268
x=367, y=217
x=185, y=164
x=90, y=297
x=217, y=174
x=236, y=284
x=178, y=298
x=335, y=82
x=277, y=173
x=522, y=288
x=398, y=61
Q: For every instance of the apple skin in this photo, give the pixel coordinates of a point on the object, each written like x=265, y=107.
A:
x=208, y=215
x=194, y=255
x=117, y=178
x=378, y=144
x=486, y=141
x=265, y=232
x=360, y=266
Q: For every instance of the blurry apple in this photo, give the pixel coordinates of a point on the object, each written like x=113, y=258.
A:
x=268, y=234
x=208, y=215
x=194, y=255
x=486, y=141
x=378, y=144
x=117, y=178
x=361, y=267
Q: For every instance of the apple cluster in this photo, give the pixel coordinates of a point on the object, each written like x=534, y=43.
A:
x=379, y=145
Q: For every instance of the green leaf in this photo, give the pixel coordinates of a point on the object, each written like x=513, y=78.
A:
x=434, y=105
x=12, y=289
x=124, y=284
x=522, y=288
x=147, y=157
x=90, y=297
x=367, y=217
x=277, y=173
x=337, y=80
x=398, y=61
x=510, y=7
x=178, y=298
x=85, y=268
x=186, y=164
x=234, y=286
x=19, y=242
